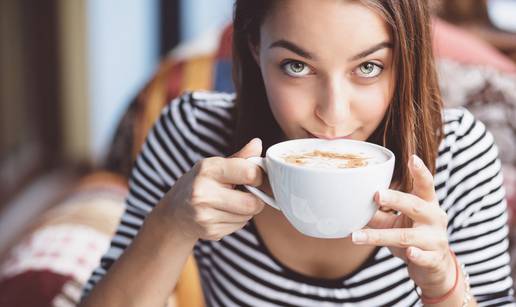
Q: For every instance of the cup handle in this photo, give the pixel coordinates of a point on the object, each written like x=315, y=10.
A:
x=261, y=195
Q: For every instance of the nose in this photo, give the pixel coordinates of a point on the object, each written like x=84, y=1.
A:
x=334, y=106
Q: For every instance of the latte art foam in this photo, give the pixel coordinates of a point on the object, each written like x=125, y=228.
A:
x=329, y=160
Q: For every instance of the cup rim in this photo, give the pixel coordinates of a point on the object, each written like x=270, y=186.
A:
x=278, y=160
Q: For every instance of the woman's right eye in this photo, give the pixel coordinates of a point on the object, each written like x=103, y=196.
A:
x=295, y=68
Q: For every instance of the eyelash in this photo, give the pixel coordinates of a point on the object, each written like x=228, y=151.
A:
x=376, y=66
x=284, y=67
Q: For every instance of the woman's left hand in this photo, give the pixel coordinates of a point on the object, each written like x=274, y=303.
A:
x=417, y=235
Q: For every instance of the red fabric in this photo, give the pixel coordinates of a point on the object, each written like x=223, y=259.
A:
x=454, y=43
x=31, y=288
x=224, y=51
x=174, y=81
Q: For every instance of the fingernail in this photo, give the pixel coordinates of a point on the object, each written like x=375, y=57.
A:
x=359, y=237
x=385, y=197
x=256, y=141
x=414, y=253
x=417, y=162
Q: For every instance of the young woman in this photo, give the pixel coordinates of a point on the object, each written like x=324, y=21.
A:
x=328, y=69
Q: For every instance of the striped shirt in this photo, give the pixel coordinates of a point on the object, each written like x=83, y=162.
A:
x=239, y=270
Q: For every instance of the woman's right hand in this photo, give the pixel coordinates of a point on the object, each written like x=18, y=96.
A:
x=204, y=204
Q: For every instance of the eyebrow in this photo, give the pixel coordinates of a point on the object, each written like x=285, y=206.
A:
x=371, y=50
x=299, y=51
x=292, y=47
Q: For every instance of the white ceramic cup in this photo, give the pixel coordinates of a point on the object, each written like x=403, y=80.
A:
x=321, y=202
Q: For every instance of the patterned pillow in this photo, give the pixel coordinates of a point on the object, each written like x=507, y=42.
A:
x=55, y=257
x=491, y=96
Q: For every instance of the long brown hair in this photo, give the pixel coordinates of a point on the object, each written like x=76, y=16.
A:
x=412, y=123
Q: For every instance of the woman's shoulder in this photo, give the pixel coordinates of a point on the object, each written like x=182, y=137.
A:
x=466, y=151
x=198, y=123
x=467, y=157
x=461, y=129
x=457, y=120
x=195, y=108
x=205, y=100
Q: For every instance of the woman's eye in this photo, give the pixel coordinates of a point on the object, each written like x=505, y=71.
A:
x=368, y=70
x=295, y=68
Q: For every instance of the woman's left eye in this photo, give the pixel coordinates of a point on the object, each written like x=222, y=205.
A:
x=368, y=70
x=295, y=68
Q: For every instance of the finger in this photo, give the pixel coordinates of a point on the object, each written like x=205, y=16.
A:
x=382, y=220
x=395, y=237
x=219, y=231
x=423, y=180
x=237, y=202
x=254, y=148
x=412, y=206
x=231, y=171
x=251, y=149
x=266, y=186
x=209, y=216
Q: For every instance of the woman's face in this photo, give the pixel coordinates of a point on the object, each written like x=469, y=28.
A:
x=327, y=68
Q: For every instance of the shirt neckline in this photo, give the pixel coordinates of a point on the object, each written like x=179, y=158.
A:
x=337, y=282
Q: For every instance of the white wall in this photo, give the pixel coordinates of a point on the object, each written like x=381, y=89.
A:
x=122, y=40
x=503, y=14
x=199, y=16
x=122, y=52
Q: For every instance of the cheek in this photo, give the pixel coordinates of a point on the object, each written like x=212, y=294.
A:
x=286, y=104
x=372, y=105
x=290, y=104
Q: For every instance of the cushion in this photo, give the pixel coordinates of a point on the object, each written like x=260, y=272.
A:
x=54, y=259
x=452, y=42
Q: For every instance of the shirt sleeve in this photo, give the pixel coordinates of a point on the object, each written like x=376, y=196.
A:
x=477, y=211
x=180, y=137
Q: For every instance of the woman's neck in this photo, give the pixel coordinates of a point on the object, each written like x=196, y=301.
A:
x=321, y=258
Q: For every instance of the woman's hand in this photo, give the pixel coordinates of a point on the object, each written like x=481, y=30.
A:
x=203, y=203
x=417, y=235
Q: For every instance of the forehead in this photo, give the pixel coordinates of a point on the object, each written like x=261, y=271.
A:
x=339, y=25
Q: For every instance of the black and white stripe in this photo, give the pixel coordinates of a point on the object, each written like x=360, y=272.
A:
x=238, y=270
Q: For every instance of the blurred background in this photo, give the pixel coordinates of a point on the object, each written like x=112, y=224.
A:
x=76, y=78
x=69, y=69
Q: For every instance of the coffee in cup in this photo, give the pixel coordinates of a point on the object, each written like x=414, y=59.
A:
x=329, y=159
x=325, y=188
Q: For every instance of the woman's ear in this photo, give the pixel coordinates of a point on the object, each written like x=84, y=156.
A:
x=254, y=49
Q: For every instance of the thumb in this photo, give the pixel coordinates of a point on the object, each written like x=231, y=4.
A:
x=251, y=149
